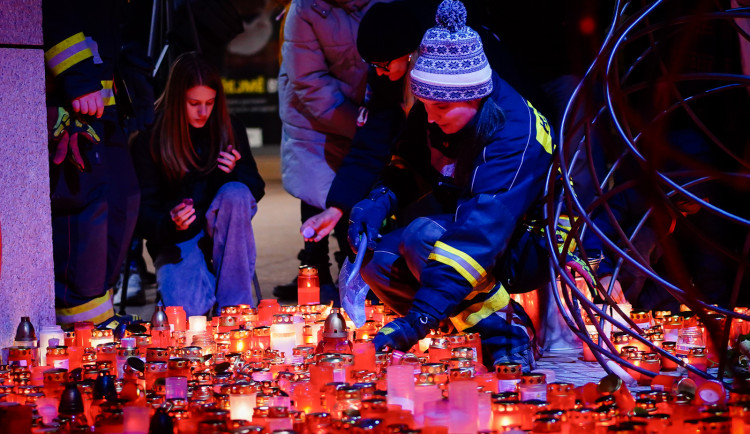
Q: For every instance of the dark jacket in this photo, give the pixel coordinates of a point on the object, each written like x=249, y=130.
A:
x=382, y=119
x=158, y=196
x=81, y=46
x=496, y=185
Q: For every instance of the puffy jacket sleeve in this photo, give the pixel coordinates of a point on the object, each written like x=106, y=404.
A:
x=507, y=180
x=318, y=91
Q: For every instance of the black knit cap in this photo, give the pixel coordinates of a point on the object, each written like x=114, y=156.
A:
x=392, y=30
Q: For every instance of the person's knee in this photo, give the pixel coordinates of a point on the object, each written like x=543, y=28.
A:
x=418, y=241
x=424, y=231
x=236, y=193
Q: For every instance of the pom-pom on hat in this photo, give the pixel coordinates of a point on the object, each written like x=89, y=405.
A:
x=452, y=65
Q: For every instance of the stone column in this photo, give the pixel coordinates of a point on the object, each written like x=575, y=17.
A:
x=26, y=278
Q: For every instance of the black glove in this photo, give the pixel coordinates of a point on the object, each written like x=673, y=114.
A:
x=403, y=333
x=369, y=215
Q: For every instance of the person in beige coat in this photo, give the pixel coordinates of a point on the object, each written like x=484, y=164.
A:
x=321, y=87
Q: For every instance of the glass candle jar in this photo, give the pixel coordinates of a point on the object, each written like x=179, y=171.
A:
x=45, y=334
x=364, y=355
x=651, y=362
x=439, y=350
x=475, y=341
x=506, y=415
x=668, y=364
x=659, y=316
x=508, y=376
x=689, y=338
x=261, y=338
x=641, y=318
x=308, y=286
x=22, y=356
x=620, y=340
x=613, y=385
x=588, y=354
x=561, y=395
x=435, y=373
x=57, y=357
x=282, y=334
x=672, y=325
x=533, y=386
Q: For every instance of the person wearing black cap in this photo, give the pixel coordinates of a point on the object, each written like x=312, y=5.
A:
x=387, y=38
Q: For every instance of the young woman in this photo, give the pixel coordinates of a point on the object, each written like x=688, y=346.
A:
x=472, y=164
x=199, y=187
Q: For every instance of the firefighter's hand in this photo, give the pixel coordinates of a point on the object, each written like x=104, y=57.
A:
x=90, y=104
x=403, y=333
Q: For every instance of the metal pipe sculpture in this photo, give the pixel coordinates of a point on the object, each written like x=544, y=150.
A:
x=654, y=152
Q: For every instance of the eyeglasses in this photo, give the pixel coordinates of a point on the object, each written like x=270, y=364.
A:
x=385, y=66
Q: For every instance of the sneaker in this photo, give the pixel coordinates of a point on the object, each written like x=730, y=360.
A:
x=136, y=293
x=286, y=292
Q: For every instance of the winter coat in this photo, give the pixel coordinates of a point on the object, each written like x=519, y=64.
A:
x=321, y=86
x=492, y=183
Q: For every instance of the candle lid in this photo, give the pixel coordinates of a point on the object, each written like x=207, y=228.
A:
x=609, y=384
x=335, y=325
x=25, y=330
x=533, y=378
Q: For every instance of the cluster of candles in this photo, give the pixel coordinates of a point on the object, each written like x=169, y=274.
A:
x=306, y=369
x=682, y=336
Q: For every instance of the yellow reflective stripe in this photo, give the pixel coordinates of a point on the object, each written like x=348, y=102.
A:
x=480, y=289
x=109, y=313
x=542, y=130
x=456, y=266
x=475, y=313
x=70, y=61
x=469, y=260
x=61, y=46
x=564, y=222
x=100, y=307
x=107, y=92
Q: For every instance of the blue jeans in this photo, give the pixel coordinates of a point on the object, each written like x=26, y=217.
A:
x=182, y=270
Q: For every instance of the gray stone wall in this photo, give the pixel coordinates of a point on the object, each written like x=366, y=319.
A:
x=26, y=277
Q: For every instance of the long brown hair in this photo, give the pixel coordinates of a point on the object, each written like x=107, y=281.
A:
x=170, y=142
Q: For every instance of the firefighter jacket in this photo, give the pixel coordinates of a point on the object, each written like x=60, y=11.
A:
x=490, y=176
x=81, y=44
